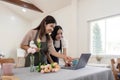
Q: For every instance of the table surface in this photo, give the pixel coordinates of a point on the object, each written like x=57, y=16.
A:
x=99, y=65
x=87, y=73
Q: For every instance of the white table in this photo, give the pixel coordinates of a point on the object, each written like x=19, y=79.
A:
x=87, y=73
x=99, y=65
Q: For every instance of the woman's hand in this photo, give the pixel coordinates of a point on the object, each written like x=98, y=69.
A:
x=37, y=49
x=68, y=64
x=68, y=60
x=33, y=50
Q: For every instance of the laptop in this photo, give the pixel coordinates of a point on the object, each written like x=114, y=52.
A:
x=81, y=62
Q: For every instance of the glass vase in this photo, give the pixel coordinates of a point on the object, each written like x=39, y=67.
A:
x=32, y=69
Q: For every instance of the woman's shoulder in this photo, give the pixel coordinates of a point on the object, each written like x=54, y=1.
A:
x=64, y=42
x=32, y=31
x=63, y=39
x=58, y=41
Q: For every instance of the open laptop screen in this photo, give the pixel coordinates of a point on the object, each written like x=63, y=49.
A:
x=81, y=62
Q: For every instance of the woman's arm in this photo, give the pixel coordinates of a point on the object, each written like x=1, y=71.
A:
x=26, y=40
x=56, y=54
x=64, y=47
x=25, y=47
x=67, y=59
x=64, y=53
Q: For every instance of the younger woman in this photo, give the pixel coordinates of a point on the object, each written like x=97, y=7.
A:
x=58, y=42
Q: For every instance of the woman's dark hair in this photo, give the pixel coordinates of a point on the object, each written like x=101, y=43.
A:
x=54, y=33
x=47, y=20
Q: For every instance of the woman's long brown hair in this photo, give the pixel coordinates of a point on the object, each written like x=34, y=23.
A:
x=41, y=28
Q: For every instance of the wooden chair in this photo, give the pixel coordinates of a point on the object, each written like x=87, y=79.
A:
x=7, y=63
x=6, y=60
x=118, y=64
x=114, y=70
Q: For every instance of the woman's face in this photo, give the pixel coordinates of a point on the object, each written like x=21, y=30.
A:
x=59, y=34
x=49, y=27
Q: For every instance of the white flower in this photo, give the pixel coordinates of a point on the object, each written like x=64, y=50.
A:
x=32, y=47
x=32, y=44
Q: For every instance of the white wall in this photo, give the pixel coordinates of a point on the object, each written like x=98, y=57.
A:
x=12, y=30
x=90, y=10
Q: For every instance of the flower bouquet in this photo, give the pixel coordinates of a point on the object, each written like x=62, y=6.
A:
x=53, y=67
x=31, y=51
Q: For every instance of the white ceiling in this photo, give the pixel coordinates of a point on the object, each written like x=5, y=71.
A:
x=46, y=6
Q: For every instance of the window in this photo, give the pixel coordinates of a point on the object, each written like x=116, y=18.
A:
x=105, y=36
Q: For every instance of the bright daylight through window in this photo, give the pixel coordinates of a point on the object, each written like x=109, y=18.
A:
x=105, y=36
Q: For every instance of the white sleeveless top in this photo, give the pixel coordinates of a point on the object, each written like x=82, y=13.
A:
x=63, y=41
